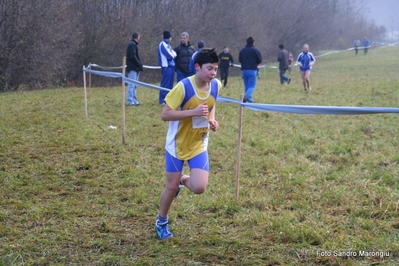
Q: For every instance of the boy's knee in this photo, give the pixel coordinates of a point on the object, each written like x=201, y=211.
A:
x=199, y=190
x=172, y=188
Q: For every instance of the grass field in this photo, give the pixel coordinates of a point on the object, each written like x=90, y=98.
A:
x=314, y=188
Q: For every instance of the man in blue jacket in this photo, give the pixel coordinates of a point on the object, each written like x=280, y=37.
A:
x=366, y=44
x=133, y=68
x=249, y=58
x=166, y=56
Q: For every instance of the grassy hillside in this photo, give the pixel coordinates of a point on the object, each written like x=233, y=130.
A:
x=314, y=188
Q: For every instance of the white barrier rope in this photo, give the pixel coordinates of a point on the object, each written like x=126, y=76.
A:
x=120, y=67
x=261, y=66
x=103, y=67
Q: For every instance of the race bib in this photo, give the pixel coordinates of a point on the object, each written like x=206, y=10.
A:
x=200, y=121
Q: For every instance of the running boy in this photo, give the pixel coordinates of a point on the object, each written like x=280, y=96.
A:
x=305, y=62
x=190, y=109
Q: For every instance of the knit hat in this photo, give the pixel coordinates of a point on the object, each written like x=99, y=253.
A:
x=201, y=44
x=250, y=40
x=167, y=34
x=281, y=46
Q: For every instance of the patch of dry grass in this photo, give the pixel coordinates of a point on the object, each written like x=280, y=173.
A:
x=73, y=195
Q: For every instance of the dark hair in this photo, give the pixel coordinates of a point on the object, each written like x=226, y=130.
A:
x=250, y=40
x=225, y=47
x=135, y=35
x=205, y=56
x=281, y=46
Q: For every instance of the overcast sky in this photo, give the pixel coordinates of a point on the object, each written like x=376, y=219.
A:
x=383, y=12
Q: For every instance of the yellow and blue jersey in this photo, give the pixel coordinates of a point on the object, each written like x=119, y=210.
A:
x=184, y=139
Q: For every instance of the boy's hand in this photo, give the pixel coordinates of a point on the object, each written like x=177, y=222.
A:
x=214, y=125
x=201, y=110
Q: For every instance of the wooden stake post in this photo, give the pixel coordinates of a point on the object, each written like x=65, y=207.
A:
x=85, y=92
x=239, y=148
x=89, y=79
x=123, y=100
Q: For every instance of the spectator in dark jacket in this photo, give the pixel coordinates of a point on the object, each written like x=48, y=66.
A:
x=184, y=52
x=225, y=61
x=283, y=64
x=249, y=58
x=133, y=68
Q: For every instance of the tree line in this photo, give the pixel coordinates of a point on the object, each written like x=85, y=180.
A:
x=45, y=43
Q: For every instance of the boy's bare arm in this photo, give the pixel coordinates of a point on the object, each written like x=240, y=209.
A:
x=214, y=125
x=213, y=112
x=168, y=114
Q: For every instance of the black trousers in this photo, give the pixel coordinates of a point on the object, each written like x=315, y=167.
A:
x=224, y=74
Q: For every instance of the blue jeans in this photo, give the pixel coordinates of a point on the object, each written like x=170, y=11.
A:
x=181, y=75
x=249, y=77
x=283, y=78
x=131, y=97
x=168, y=78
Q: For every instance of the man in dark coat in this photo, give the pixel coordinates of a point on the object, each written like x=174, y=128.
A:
x=184, y=52
x=249, y=58
x=225, y=61
x=133, y=68
x=283, y=64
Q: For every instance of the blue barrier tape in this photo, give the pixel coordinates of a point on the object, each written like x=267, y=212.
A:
x=104, y=73
x=278, y=108
x=144, y=85
x=305, y=109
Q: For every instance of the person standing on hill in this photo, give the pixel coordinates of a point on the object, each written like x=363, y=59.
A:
x=249, y=58
x=184, y=52
x=305, y=62
x=366, y=44
x=282, y=58
x=226, y=60
x=166, y=56
x=133, y=68
x=356, y=45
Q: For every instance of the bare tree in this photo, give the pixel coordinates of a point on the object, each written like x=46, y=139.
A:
x=45, y=43
x=34, y=43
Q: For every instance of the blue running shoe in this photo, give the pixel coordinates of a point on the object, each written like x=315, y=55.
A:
x=163, y=231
